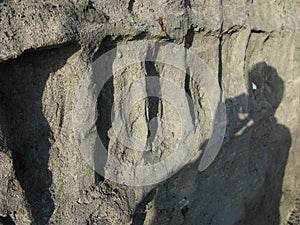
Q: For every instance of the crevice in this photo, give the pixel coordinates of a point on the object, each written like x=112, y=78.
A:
x=153, y=101
x=188, y=42
x=130, y=5
x=220, y=56
x=140, y=36
x=90, y=5
x=7, y=220
x=61, y=113
x=233, y=29
x=187, y=4
x=189, y=38
x=245, y=54
x=105, y=103
x=258, y=31
x=267, y=38
x=220, y=64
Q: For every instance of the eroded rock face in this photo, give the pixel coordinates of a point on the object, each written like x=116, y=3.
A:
x=13, y=206
x=6, y=169
x=252, y=50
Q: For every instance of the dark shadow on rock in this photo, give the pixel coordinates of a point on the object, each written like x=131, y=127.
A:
x=6, y=221
x=22, y=83
x=152, y=101
x=130, y=5
x=220, y=57
x=187, y=4
x=243, y=185
x=270, y=144
x=188, y=42
x=105, y=103
x=139, y=214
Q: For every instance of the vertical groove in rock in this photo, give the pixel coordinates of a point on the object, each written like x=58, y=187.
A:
x=105, y=101
x=220, y=65
x=220, y=62
x=153, y=101
x=188, y=42
x=130, y=5
x=245, y=56
x=243, y=181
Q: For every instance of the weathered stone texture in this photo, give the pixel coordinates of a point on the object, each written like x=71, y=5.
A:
x=46, y=48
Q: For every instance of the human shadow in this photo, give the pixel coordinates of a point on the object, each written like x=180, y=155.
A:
x=270, y=144
x=22, y=84
x=243, y=184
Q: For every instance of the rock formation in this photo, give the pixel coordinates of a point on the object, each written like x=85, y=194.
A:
x=47, y=47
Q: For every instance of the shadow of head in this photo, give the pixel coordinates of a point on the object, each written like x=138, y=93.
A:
x=265, y=90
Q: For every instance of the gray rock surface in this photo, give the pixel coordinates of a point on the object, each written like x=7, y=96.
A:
x=46, y=48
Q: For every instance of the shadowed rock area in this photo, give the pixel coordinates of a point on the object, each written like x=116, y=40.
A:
x=49, y=77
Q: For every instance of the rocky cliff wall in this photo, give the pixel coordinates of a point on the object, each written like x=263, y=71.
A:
x=46, y=50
